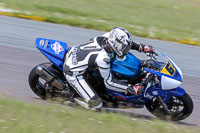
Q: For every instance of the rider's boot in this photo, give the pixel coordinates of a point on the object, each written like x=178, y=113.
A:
x=137, y=89
x=93, y=104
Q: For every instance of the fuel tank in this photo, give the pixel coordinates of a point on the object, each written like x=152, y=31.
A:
x=127, y=67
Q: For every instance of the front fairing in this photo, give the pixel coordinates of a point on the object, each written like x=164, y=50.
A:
x=169, y=73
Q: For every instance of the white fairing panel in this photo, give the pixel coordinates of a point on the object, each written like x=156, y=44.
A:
x=169, y=83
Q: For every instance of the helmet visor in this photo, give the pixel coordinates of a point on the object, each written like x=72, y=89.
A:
x=126, y=49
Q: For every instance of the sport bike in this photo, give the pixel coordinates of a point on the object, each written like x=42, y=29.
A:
x=162, y=95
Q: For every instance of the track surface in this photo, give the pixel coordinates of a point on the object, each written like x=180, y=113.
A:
x=18, y=56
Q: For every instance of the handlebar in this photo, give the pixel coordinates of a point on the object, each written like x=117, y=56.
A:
x=151, y=61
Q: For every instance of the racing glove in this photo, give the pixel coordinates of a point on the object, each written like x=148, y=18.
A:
x=148, y=50
x=136, y=89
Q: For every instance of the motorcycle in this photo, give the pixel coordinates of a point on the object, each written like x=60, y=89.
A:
x=162, y=96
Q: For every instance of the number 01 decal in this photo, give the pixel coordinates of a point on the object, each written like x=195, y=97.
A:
x=168, y=69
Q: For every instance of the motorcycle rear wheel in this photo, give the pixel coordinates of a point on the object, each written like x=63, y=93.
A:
x=35, y=82
x=179, y=107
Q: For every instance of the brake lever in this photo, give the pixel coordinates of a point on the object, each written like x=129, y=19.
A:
x=152, y=56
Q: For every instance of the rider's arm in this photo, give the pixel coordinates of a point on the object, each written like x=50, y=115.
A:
x=103, y=65
x=142, y=48
x=137, y=46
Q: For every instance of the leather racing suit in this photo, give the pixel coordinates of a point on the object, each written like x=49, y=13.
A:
x=94, y=54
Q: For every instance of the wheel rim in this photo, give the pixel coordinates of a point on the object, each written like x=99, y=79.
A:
x=176, y=107
x=40, y=88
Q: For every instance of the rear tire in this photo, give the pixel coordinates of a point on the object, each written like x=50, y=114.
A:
x=35, y=84
x=180, y=108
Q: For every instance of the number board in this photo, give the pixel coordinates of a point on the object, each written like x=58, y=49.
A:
x=168, y=69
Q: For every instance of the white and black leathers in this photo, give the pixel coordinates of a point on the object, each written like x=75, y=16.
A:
x=92, y=54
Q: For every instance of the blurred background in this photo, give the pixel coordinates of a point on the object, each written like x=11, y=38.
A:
x=174, y=20
x=164, y=24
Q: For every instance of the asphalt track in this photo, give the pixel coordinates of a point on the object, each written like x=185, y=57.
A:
x=18, y=56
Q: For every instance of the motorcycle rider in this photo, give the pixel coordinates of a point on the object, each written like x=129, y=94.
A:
x=96, y=54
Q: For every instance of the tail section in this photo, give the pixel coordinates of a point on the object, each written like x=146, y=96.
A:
x=54, y=50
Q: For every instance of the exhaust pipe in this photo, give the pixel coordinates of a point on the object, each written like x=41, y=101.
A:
x=50, y=77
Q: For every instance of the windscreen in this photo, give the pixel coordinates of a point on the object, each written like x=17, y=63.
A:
x=164, y=64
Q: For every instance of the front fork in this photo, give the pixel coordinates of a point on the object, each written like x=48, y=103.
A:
x=164, y=105
x=164, y=96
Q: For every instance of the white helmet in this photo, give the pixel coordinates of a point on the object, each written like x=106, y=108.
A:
x=120, y=40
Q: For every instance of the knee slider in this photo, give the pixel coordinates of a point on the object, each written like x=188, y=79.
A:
x=95, y=102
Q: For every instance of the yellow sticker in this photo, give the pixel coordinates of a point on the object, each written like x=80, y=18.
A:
x=168, y=69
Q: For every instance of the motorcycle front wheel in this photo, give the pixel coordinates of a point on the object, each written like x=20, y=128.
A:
x=179, y=107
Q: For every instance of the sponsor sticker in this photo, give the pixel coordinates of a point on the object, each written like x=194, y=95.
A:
x=74, y=56
x=41, y=43
x=45, y=46
x=155, y=93
x=57, y=47
x=89, y=47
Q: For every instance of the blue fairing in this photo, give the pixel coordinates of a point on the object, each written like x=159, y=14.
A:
x=149, y=94
x=54, y=50
x=177, y=92
x=129, y=67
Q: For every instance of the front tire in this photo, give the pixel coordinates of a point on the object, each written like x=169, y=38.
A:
x=180, y=108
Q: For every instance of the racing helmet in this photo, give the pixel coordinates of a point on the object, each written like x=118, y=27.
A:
x=120, y=40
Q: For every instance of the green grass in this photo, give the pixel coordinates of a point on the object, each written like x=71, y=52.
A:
x=162, y=19
x=20, y=117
